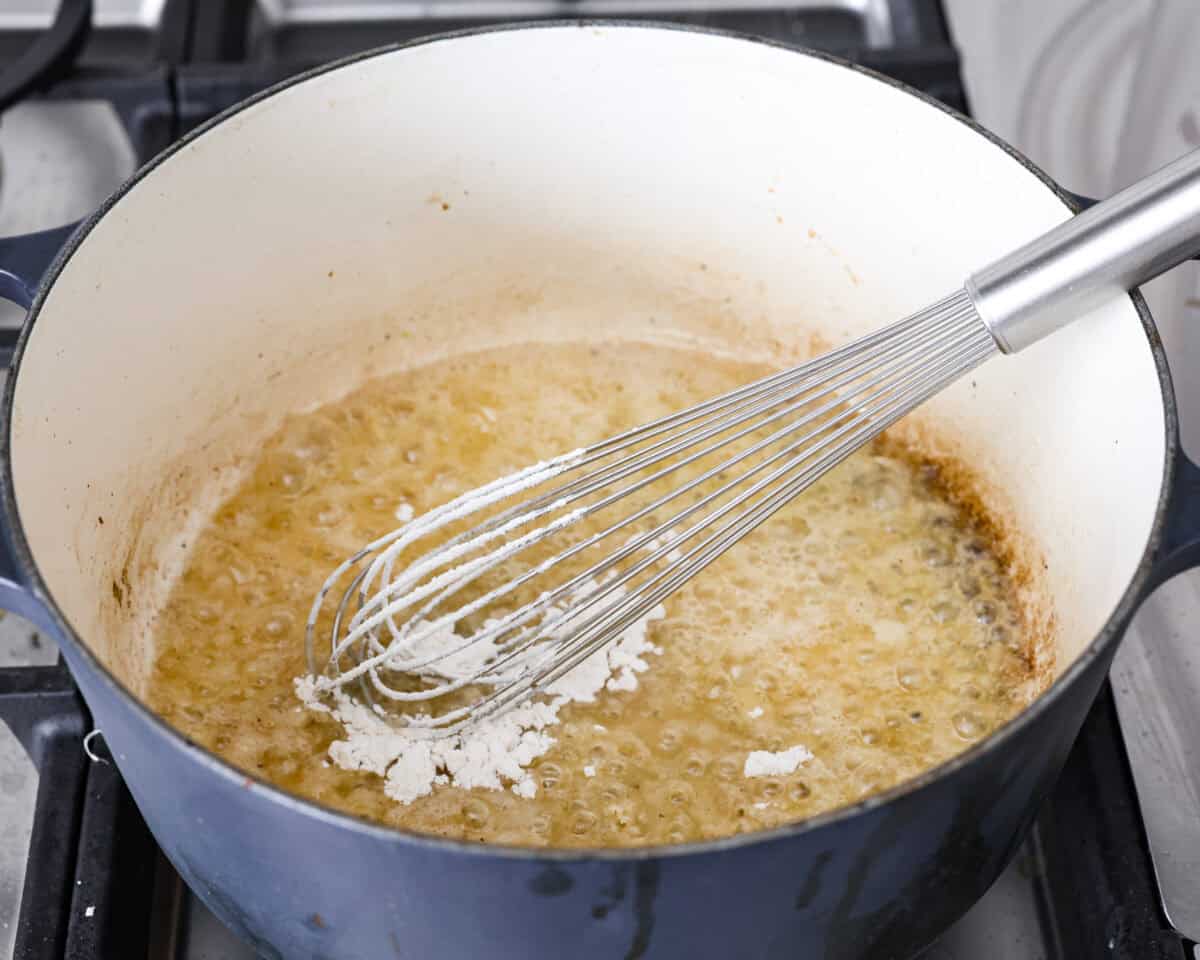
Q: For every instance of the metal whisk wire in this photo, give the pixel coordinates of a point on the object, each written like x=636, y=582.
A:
x=817, y=413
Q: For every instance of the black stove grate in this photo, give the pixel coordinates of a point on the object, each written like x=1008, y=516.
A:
x=1101, y=896
x=210, y=54
x=92, y=862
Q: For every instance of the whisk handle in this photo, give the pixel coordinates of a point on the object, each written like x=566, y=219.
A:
x=1094, y=257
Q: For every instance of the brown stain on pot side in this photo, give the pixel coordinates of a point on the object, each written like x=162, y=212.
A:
x=988, y=508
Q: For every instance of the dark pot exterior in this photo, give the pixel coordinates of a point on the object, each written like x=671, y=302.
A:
x=299, y=883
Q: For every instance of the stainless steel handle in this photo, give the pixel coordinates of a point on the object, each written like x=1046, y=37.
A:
x=1096, y=256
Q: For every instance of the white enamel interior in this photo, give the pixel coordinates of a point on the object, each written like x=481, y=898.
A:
x=561, y=182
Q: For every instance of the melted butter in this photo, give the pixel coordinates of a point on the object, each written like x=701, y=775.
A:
x=869, y=621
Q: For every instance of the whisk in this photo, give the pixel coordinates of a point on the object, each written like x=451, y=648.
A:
x=567, y=554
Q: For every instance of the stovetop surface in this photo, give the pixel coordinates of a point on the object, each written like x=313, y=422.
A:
x=79, y=875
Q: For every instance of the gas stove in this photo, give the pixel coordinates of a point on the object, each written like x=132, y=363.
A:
x=80, y=876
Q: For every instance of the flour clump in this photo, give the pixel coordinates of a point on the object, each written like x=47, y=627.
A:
x=765, y=763
x=491, y=754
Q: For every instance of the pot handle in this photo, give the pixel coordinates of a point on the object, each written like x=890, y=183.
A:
x=15, y=596
x=1179, y=549
x=24, y=261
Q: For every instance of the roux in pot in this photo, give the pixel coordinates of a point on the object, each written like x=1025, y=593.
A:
x=870, y=623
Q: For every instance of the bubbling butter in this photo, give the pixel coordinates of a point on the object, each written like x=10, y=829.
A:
x=865, y=633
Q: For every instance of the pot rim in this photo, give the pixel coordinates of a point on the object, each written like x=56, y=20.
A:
x=1108, y=635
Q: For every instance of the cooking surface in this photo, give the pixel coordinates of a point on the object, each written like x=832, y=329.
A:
x=1081, y=886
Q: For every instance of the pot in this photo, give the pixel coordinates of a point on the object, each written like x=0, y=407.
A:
x=562, y=181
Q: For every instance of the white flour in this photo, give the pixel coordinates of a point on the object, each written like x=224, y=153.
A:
x=764, y=763
x=491, y=754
